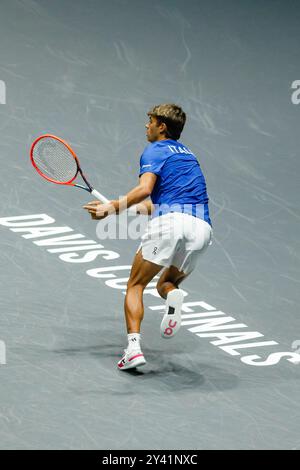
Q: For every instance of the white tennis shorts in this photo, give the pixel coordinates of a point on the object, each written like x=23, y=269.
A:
x=176, y=239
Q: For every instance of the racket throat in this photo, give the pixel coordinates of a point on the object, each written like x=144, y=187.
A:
x=88, y=189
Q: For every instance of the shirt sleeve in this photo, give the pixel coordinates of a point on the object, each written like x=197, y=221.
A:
x=152, y=161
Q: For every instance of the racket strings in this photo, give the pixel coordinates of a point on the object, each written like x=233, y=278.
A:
x=54, y=160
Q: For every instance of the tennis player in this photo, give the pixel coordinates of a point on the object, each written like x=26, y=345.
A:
x=178, y=231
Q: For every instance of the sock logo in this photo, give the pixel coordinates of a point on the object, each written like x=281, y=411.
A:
x=154, y=252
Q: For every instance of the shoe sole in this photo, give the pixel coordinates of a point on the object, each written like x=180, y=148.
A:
x=171, y=321
x=137, y=361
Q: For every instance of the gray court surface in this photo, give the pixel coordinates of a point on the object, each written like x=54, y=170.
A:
x=89, y=71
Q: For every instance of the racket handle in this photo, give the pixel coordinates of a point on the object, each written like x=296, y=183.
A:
x=131, y=210
x=99, y=196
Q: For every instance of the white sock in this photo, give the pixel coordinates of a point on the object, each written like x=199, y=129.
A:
x=134, y=341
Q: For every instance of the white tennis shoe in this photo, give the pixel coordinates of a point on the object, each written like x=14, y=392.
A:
x=172, y=318
x=131, y=359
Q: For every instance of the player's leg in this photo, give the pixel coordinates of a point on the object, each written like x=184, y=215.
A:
x=142, y=272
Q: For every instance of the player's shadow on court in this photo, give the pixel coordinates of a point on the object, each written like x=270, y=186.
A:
x=165, y=369
x=170, y=375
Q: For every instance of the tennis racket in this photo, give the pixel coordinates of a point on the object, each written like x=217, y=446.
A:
x=55, y=161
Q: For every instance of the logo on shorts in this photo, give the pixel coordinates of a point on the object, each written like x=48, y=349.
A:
x=154, y=252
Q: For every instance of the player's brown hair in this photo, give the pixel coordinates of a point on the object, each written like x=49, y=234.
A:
x=172, y=115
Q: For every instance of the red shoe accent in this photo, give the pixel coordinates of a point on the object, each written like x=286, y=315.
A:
x=134, y=357
x=126, y=362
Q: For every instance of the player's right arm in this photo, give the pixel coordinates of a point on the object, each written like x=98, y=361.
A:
x=151, y=161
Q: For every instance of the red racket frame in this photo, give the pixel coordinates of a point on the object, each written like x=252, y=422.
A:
x=69, y=183
x=89, y=187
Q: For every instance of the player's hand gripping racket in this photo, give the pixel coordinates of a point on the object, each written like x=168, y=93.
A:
x=55, y=161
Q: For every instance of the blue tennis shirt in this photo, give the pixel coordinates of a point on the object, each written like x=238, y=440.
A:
x=180, y=184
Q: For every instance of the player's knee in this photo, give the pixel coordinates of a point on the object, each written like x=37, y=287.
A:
x=161, y=287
